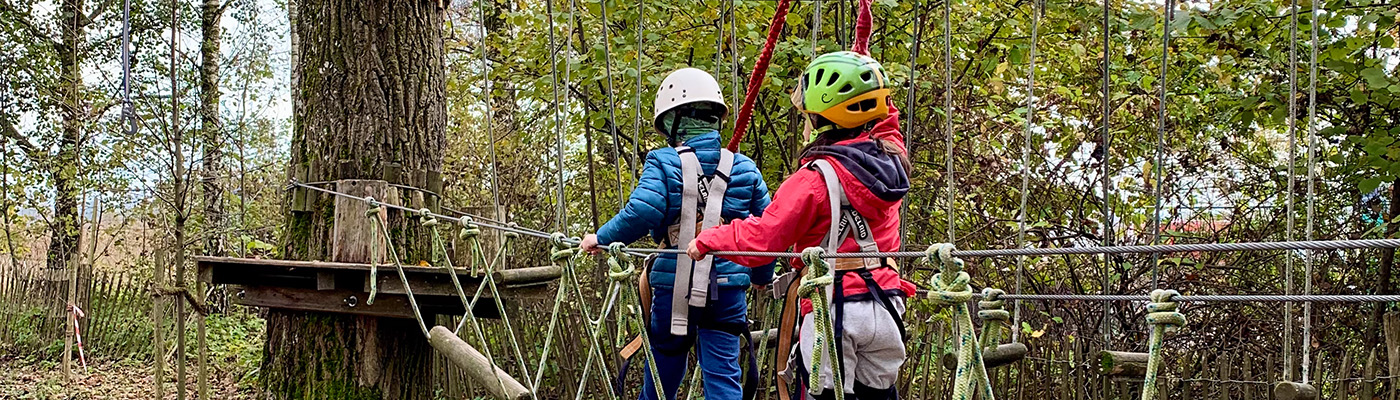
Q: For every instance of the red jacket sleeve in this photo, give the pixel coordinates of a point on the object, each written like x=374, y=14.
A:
x=791, y=216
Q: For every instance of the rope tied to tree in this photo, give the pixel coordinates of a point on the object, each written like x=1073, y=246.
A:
x=1161, y=314
x=381, y=232
x=951, y=290
x=819, y=276
x=992, y=311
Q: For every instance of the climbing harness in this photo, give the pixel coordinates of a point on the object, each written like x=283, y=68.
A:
x=1161, y=314
x=696, y=280
x=845, y=223
x=951, y=290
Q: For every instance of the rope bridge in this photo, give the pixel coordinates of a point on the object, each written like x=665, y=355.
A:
x=951, y=290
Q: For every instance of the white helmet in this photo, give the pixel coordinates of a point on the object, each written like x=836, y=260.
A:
x=685, y=86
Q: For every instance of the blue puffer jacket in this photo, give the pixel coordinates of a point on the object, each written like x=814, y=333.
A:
x=656, y=204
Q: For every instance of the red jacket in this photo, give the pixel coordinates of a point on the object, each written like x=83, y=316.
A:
x=800, y=216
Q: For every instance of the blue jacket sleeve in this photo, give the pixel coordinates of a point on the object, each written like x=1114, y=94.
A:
x=645, y=209
x=763, y=275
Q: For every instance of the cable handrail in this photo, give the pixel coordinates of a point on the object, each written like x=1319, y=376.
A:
x=1344, y=244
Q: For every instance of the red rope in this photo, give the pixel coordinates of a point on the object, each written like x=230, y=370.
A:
x=861, y=44
x=760, y=69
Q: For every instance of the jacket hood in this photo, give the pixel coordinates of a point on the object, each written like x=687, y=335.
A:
x=873, y=179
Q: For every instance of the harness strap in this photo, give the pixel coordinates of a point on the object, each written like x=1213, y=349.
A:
x=693, y=277
x=787, y=329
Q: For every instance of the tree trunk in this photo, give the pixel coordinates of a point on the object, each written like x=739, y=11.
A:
x=64, y=166
x=370, y=92
x=1387, y=267
x=211, y=127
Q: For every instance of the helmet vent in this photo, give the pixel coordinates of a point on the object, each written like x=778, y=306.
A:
x=819, y=75
x=862, y=106
x=867, y=105
x=865, y=76
x=846, y=88
x=832, y=80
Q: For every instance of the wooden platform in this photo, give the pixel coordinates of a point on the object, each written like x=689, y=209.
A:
x=344, y=287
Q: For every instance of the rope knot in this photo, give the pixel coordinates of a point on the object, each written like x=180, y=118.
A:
x=817, y=274
x=469, y=228
x=992, y=307
x=510, y=234
x=616, y=259
x=428, y=219
x=374, y=206
x=1162, y=309
x=562, y=250
x=950, y=284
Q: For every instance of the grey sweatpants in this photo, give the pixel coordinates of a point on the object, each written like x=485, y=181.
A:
x=871, y=346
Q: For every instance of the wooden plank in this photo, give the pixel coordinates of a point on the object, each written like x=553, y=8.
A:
x=335, y=301
x=1343, y=381
x=1223, y=374
x=1368, y=377
x=299, y=203
x=352, y=232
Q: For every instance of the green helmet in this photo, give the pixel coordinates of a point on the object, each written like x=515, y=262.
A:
x=847, y=88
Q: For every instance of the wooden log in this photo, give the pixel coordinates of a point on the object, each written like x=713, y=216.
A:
x=1222, y=370
x=999, y=356
x=1122, y=364
x=1368, y=377
x=1295, y=391
x=476, y=366
x=529, y=275
x=1343, y=381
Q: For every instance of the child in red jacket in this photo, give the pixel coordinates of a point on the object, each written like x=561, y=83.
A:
x=855, y=172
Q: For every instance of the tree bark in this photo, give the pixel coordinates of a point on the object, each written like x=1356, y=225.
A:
x=211, y=128
x=64, y=165
x=370, y=92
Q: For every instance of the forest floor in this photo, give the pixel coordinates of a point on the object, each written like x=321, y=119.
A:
x=43, y=380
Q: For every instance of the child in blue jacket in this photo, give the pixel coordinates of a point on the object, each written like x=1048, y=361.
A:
x=694, y=302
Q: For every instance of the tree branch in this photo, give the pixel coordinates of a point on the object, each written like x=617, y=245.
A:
x=8, y=130
x=27, y=25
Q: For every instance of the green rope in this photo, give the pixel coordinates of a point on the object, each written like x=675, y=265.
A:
x=595, y=350
x=439, y=252
x=378, y=226
x=818, y=276
x=625, y=278
x=374, y=254
x=992, y=311
x=475, y=244
x=563, y=257
x=951, y=290
x=1161, y=314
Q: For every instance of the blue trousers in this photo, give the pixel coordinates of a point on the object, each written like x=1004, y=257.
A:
x=718, y=351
